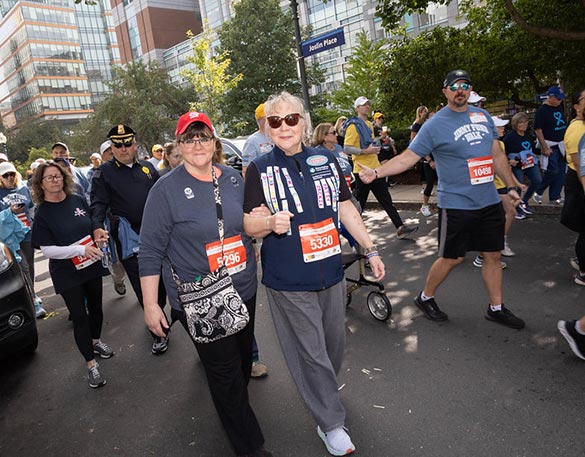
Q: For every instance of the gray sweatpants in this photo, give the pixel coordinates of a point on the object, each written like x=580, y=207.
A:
x=311, y=330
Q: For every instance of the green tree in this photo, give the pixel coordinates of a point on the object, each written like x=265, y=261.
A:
x=31, y=135
x=262, y=49
x=364, y=74
x=209, y=77
x=143, y=98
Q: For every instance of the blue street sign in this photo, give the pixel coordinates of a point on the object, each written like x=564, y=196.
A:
x=323, y=42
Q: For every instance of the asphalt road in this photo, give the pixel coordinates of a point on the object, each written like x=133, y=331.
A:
x=411, y=387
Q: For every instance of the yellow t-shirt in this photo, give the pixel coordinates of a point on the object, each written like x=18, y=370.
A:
x=573, y=134
x=497, y=180
x=352, y=139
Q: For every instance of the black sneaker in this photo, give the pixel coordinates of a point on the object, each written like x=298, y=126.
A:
x=574, y=338
x=430, y=309
x=504, y=317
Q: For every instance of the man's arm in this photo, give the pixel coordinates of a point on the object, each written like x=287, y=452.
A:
x=543, y=146
x=503, y=170
x=99, y=199
x=394, y=166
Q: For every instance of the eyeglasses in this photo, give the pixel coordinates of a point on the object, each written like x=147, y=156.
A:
x=463, y=86
x=122, y=144
x=158, y=150
x=10, y=174
x=52, y=178
x=276, y=121
x=331, y=132
x=201, y=141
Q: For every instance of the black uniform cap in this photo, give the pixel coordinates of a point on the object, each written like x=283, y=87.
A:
x=120, y=132
x=456, y=75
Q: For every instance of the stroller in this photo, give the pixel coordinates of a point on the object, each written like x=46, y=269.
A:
x=378, y=303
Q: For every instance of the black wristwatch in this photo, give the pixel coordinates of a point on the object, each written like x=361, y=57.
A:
x=513, y=188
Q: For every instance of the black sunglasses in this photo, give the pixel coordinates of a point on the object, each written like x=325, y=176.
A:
x=121, y=144
x=10, y=174
x=290, y=119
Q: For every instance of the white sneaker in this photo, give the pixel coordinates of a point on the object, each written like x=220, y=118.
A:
x=507, y=252
x=426, y=210
x=337, y=441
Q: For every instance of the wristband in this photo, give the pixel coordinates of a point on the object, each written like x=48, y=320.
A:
x=267, y=222
x=369, y=255
x=513, y=188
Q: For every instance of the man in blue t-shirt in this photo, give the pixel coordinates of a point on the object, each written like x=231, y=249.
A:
x=464, y=143
x=550, y=126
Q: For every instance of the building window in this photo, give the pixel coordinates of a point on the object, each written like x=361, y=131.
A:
x=134, y=35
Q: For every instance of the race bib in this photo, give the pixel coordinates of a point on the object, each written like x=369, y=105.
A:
x=80, y=261
x=481, y=170
x=234, y=254
x=476, y=117
x=526, y=160
x=319, y=240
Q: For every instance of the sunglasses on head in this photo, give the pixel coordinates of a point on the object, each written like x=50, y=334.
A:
x=10, y=174
x=290, y=119
x=455, y=87
x=120, y=144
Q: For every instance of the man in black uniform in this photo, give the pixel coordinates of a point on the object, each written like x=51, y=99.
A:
x=119, y=190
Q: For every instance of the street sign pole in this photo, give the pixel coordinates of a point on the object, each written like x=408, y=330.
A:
x=300, y=59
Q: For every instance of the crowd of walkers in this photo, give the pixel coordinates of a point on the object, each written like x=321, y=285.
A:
x=184, y=229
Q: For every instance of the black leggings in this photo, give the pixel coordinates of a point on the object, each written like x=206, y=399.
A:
x=431, y=178
x=228, y=363
x=380, y=191
x=580, y=251
x=84, y=303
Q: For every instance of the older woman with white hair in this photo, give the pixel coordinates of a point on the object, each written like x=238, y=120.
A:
x=307, y=196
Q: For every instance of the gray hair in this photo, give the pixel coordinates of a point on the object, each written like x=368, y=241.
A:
x=284, y=97
x=517, y=118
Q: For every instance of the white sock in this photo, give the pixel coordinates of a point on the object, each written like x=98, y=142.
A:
x=423, y=297
x=496, y=307
x=578, y=329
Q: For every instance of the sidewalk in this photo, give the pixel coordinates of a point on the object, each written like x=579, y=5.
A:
x=409, y=197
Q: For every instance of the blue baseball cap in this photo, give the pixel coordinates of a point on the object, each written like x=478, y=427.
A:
x=557, y=92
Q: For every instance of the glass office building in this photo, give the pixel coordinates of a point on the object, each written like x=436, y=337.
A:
x=55, y=59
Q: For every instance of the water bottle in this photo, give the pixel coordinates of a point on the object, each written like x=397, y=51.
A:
x=107, y=256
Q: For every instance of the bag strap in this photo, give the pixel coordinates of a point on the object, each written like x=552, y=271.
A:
x=218, y=207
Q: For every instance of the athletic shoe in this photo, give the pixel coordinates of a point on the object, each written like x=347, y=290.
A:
x=430, y=309
x=103, y=350
x=337, y=441
x=160, y=345
x=426, y=210
x=537, y=198
x=574, y=338
x=259, y=370
x=520, y=215
x=579, y=279
x=526, y=209
x=507, y=252
x=560, y=201
x=575, y=263
x=404, y=231
x=94, y=377
x=478, y=262
x=120, y=288
x=504, y=317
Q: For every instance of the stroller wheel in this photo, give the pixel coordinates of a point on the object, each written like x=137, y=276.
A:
x=379, y=305
x=347, y=299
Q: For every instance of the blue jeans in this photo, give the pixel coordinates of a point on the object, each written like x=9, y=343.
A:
x=534, y=178
x=554, y=176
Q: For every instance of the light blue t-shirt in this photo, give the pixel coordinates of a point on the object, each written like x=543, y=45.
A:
x=256, y=145
x=454, y=138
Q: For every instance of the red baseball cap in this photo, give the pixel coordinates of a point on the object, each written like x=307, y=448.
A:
x=188, y=118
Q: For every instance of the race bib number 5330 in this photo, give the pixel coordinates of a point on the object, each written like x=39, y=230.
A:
x=319, y=240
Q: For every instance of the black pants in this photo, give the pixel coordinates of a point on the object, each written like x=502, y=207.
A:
x=228, y=364
x=84, y=303
x=430, y=178
x=380, y=190
x=131, y=267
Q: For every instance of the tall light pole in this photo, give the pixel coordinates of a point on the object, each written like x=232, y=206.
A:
x=300, y=59
x=2, y=143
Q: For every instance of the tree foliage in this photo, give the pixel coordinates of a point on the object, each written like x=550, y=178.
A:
x=364, y=74
x=209, y=76
x=143, y=98
x=32, y=135
x=262, y=49
x=556, y=19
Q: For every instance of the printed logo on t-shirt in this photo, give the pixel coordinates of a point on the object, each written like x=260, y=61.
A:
x=472, y=133
x=188, y=193
x=79, y=212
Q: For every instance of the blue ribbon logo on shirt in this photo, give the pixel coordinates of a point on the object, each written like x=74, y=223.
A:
x=559, y=117
x=526, y=145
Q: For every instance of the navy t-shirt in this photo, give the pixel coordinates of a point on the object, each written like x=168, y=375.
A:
x=63, y=224
x=551, y=120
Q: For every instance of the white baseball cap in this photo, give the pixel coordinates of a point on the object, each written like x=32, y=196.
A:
x=360, y=101
x=499, y=122
x=105, y=146
x=474, y=97
x=3, y=157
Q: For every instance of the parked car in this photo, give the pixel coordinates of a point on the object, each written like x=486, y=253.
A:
x=18, y=328
x=232, y=151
